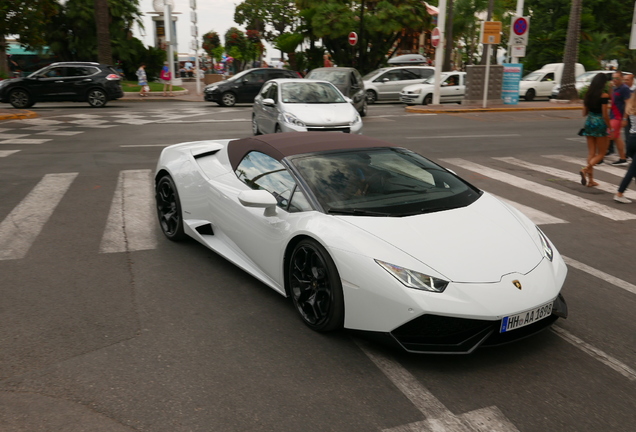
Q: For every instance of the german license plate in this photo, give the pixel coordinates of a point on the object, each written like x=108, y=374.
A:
x=523, y=319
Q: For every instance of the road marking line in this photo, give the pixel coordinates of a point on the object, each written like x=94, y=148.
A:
x=60, y=133
x=438, y=417
x=536, y=216
x=131, y=224
x=617, y=171
x=601, y=275
x=20, y=228
x=5, y=153
x=548, y=192
x=596, y=353
x=567, y=175
x=464, y=136
x=25, y=141
x=147, y=145
x=10, y=136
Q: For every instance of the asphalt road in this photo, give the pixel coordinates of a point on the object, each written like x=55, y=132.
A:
x=170, y=337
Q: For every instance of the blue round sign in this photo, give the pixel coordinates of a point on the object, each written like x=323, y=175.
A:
x=520, y=26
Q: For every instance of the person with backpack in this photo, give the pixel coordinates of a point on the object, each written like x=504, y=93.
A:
x=166, y=78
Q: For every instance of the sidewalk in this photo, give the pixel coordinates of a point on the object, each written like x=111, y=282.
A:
x=552, y=105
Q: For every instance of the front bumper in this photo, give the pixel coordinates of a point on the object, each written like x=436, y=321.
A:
x=411, y=99
x=212, y=96
x=356, y=128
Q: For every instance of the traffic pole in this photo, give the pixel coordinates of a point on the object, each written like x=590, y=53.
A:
x=439, y=51
x=519, y=14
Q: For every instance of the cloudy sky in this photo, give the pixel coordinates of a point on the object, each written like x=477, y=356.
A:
x=212, y=15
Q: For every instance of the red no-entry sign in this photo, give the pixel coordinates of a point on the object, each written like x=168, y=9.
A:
x=353, y=38
x=435, y=37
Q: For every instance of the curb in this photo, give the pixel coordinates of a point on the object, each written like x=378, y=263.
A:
x=422, y=110
x=19, y=115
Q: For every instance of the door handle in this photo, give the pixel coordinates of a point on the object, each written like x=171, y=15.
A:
x=59, y=82
x=87, y=80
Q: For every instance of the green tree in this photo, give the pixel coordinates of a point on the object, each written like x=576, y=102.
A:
x=243, y=48
x=26, y=19
x=104, y=51
x=212, y=45
x=271, y=18
x=287, y=43
x=571, y=55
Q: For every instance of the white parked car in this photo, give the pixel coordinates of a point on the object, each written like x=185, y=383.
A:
x=541, y=82
x=452, y=89
x=387, y=83
x=301, y=105
x=583, y=80
x=365, y=235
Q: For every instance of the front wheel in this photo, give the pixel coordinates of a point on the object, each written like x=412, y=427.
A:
x=428, y=99
x=20, y=99
x=316, y=289
x=372, y=97
x=530, y=94
x=169, y=209
x=96, y=98
x=228, y=99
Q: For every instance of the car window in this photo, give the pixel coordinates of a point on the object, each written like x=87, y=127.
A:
x=382, y=182
x=370, y=75
x=265, y=89
x=452, y=81
x=256, y=77
x=394, y=75
x=273, y=74
x=357, y=78
x=310, y=93
x=260, y=171
x=55, y=72
x=422, y=72
x=408, y=75
x=272, y=93
x=548, y=77
x=81, y=71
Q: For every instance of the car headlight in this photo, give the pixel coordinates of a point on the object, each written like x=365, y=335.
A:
x=292, y=119
x=545, y=244
x=416, y=91
x=355, y=120
x=413, y=279
x=211, y=88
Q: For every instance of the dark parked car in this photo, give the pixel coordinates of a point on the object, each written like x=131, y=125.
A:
x=244, y=86
x=68, y=81
x=349, y=82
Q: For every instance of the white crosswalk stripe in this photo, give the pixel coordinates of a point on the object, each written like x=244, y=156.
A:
x=21, y=227
x=548, y=192
x=131, y=224
x=5, y=153
x=617, y=171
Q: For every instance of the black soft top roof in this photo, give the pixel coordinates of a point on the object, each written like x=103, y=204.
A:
x=282, y=145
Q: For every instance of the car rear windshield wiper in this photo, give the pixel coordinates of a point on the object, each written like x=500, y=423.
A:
x=356, y=212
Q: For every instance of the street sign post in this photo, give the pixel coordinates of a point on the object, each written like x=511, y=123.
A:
x=490, y=34
x=519, y=30
x=353, y=38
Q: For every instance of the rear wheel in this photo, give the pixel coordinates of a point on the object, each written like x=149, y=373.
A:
x=316, y=289
x=96, y=98
x=530, y=94
x=372, y=96
x=169, y=209
x=20, y=99
x=228, y=99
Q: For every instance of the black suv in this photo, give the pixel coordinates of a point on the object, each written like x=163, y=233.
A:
x=69, y=81
x=244, y=86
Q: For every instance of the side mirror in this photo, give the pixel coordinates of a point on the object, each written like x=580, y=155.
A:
x=385, y=80
x=348, y=99
x=259, y=199
x=269, y=102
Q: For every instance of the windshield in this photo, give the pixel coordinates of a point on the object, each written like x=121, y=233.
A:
x=370, y=75
x=534, y=76
x=239, y=75
x=587, y=76
x=310, y=93
x=382, y=182
x=337, y=77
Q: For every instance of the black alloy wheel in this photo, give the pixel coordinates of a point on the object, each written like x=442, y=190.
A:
x=428, y=99
x=315, y=285
x=530, y=94
x=228, y=99
x=169, y=209
x=20, y=99
x=96, y=98
x=372, y=97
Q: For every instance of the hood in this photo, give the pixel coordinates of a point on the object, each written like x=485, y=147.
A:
x=323, y=114
x=413, y=87
x=475, y=244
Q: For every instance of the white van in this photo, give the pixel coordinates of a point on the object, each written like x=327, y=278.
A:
x=540, y=82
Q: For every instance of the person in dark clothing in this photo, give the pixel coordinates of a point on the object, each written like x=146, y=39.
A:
x=596, y=127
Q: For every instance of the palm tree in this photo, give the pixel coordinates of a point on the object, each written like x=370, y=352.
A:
x=571, y=54
x=102, y=21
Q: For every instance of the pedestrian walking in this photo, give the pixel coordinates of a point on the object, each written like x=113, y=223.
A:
x=630, y=112
x=166, y=79
x=142, y=80
x=597, y=122
x=620, y=94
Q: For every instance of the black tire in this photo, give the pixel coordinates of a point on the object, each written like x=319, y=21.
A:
x=428, y=99
x=372, y=97
x=277, y=129
x=315, y=287
x=530, y=94
x=96, y=98
x=169, y=209
x=255, y=129
x=363, y=111
x=228, y=99
x=20, y=99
